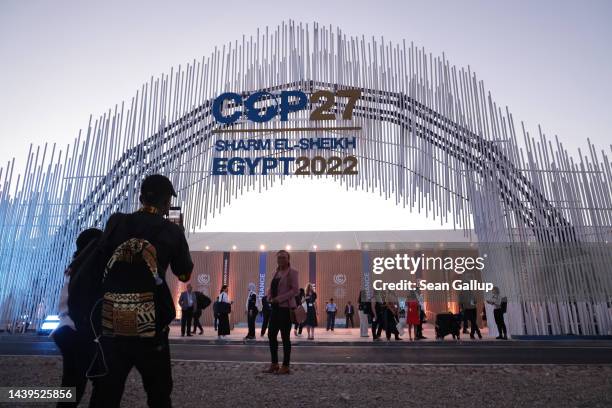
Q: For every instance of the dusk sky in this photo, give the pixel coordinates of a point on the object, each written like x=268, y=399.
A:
x=550, y=62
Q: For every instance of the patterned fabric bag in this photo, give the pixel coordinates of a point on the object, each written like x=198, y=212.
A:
x=130, y=283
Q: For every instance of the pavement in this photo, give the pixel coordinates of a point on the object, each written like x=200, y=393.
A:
x=241, y=384
x=344, y=346
x=340, y=369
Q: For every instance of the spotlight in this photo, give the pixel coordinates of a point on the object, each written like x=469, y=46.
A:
x=262, y=247
x=207, y=247
x=338, y=246
x=49, y=324
x=288, y=247
x=234, y=247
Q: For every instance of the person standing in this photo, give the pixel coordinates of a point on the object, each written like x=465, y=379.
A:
x=188, y=304
x=364, y=308
x=463, y=299
x=251, y=311
x=224, y=309
x=215, y=310
x=379, y=317
x=349, y=312
x=413, y=318
x=283, y=289
x=419, y=327
x=266, y=308
x=311, y=311
x=470, y=312
x=202, y=301
x=331, y=310
x=150, y=355
x=391, y=319
x=73, y=344
x=299, y=299
x=498, y=313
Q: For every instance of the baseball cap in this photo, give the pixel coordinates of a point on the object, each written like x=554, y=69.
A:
x=157, y=185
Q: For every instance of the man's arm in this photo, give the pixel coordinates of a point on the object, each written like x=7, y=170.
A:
x=181, y=262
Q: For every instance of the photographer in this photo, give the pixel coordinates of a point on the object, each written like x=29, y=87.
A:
x=163, y=244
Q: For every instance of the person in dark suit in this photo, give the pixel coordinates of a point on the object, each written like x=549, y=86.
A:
x=266, y=308
x=197, y=313
x=252, y=311
x=188, y=304
x=349, y=312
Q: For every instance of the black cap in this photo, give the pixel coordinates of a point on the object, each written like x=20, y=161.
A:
x=157, y=186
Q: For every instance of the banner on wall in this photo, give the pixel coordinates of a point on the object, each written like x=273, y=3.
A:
x=226, y=262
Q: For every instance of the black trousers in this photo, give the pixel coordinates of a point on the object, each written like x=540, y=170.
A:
x=265, y=322
x=280, y=320
x=471, y=316
x=331, y=320
x=251, y=316
x=349, y=317
x=196, y=321
x=223, y=327
x=499, y=321
x=380, y=324
x=186, y=318
x=75, y=361
x=152, y=360
x=464, y=320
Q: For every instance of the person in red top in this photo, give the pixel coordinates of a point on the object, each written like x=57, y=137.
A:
x=412, y=315
x=282, y=292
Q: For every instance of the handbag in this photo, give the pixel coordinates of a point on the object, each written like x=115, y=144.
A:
x=298, y=315
x=224, y=307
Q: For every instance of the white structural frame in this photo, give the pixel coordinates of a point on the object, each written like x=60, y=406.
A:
x=431, y=138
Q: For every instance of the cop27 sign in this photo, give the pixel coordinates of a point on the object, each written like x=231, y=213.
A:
x=265, y=107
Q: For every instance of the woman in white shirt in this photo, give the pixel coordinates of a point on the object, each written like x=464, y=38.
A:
x=223, y=329
x=498, y=313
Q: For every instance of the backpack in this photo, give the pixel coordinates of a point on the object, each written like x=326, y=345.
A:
x=136, y=300
x=202, y=300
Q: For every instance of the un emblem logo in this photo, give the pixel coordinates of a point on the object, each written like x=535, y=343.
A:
x=340, y=279
x=203, y=279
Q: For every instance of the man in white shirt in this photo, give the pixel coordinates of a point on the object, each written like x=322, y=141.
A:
x=187, y=301
x=331, y=310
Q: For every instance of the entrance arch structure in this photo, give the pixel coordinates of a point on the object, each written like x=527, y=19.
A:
x=429, y=137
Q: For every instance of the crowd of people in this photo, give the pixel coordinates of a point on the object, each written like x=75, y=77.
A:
x=382, y=313
x=115, y=306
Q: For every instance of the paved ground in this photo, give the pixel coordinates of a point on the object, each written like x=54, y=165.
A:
x=329, y=373
x=340, y=334
x=205, y=384
x=447, y=352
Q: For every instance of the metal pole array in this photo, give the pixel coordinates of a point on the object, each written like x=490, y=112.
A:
x=432, y=139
